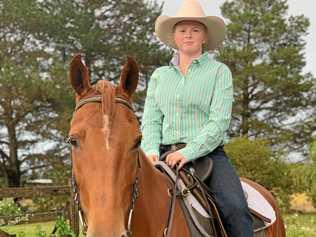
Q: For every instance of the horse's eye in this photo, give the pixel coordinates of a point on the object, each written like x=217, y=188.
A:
x=138, y=142
x=73, y=141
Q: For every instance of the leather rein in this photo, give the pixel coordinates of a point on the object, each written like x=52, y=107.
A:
x=135, y=185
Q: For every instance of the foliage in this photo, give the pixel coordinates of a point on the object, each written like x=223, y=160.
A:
x=62, y=228
x=304, y=178
x=300, y=225
x=50, y=203
x=254, y=160
x=42, y=229
x=27, y=230
x=9, y=208
x=301, y=202
x=312, y=150
x=40, y=232
x=275, y=100
x=26, y=111
x=37, y=41
x=297, y=225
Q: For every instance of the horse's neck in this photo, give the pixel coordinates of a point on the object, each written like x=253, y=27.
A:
x=153, y=198
x=153, y=181
x=153, y=204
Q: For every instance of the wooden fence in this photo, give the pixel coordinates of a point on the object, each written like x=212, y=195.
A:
x=70, y=211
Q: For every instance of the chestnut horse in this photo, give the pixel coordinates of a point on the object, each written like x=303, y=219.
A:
x=121, y=193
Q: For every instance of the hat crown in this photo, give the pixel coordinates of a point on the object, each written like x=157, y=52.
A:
x=190, y=8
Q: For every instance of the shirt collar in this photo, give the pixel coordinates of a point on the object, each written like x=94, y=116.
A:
x=175, y=59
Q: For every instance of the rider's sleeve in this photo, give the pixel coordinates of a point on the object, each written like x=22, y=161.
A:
x=152, y=120
x=214, y=131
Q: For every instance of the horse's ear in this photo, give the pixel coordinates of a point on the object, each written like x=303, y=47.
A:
x=79, y=75
x=129, y=76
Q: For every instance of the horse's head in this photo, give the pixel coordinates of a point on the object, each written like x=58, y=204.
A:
x=105, y=140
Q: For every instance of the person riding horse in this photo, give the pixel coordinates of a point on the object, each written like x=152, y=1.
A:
x=188, y=109
x=118, y=191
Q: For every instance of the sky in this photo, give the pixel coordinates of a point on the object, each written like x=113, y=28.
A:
x=296, y=7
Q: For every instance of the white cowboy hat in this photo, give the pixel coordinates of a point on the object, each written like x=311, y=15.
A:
x=191, y=10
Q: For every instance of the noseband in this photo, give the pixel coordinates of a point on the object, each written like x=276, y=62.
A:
x=135, y=185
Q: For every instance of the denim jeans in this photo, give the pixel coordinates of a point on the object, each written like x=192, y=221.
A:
x=227, y=192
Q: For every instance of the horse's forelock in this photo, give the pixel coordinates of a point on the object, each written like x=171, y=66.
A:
x=107, y=91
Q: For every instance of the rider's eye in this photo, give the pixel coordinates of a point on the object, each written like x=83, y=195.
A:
x=73, y=141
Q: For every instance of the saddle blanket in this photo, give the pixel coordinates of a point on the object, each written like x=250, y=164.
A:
x=258, y=204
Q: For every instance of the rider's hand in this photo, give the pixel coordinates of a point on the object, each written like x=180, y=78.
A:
x=153, y=158
x=176, y=158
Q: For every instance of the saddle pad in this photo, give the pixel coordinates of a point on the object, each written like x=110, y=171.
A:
x=258, y=204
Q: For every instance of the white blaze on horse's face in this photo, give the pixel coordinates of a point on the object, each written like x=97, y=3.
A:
x=106, y=130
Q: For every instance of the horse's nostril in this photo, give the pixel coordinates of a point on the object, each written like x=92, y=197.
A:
x=125, y=235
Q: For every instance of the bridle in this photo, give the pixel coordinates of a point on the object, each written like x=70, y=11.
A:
x=135, y=185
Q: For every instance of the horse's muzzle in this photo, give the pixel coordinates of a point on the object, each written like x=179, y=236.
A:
x=126, y=234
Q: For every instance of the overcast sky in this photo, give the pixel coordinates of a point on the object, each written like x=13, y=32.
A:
x=296, y=7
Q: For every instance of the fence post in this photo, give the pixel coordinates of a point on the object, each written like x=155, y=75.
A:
x=73, y=212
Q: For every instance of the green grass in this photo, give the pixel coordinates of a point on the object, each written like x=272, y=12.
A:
x=30, y=230
x=300, y=225
x=297, y=225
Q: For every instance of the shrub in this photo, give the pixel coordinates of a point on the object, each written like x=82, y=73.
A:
x=9, y=208
x=62, y=228
x=255, y=160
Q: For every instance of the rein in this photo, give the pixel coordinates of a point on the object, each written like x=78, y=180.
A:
x=135, y=185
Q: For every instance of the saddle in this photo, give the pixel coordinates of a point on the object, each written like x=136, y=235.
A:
x=198, y=205
x=201, y=167
x=199, y=208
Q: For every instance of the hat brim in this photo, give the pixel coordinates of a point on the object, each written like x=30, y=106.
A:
x=215, y=29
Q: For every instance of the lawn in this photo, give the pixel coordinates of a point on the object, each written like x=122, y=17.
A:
x=30, y=230
x=297, y=225
x=300, y=225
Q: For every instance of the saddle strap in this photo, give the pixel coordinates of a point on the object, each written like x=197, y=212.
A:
x=202, y=194
x=173, y=194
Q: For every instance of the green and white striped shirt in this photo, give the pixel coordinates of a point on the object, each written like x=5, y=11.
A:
x=193, y=109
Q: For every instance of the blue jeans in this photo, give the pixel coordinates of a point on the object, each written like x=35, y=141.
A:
x=226, y=189
x=227, y=192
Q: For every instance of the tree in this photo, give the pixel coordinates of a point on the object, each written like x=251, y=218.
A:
x=25, y=107
x=104, y=31
x=37, y=39
x=264, y=50
x=25, y=112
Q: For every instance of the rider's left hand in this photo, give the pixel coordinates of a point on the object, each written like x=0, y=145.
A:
x=175, y=158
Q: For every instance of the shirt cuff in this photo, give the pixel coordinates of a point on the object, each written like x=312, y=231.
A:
x=188, y=152
x=152, y=152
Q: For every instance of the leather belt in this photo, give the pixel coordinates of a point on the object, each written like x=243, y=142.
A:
x=173, y=147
